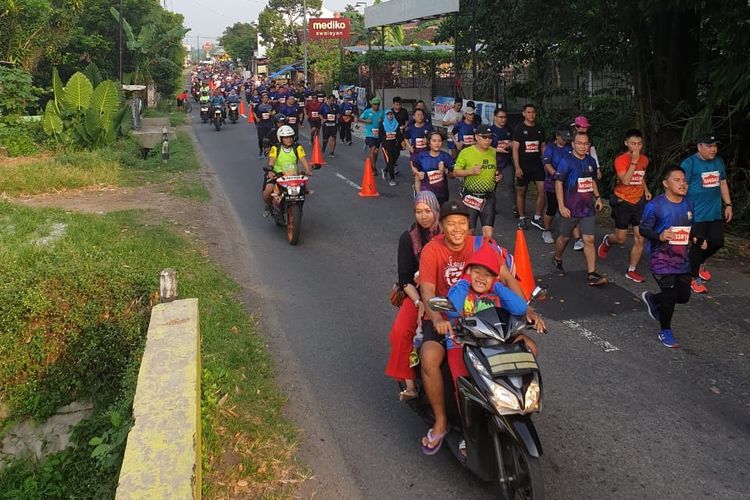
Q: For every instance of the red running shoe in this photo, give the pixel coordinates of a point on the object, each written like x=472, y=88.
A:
x=697, y=286
x=603, y=248
x=703, y=273
x=635, y=276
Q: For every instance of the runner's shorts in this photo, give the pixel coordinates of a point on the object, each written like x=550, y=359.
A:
x=486, y=215
x=532, y=172
x=626, y=214
x=585, y=224
x=372, y=142
x=329, y=131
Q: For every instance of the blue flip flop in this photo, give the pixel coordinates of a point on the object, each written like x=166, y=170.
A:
x=431, y=450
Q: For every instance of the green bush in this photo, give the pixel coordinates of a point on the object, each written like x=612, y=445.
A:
x=18, y=141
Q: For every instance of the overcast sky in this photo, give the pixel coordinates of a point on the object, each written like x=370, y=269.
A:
x=209, y=18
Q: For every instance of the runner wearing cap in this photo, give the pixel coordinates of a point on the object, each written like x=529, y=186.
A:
x=372, y=117
x=706, y=176
x=577, y=198
x=528, y=147
x=477, y=164
x=627, y=201
x=553, y=154
x=582, y=124
x=463, y=132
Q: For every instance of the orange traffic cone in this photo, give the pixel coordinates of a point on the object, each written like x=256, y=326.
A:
x=242, y=107
x=523, y=264
x=317, y=154
x=250, y=115
x=368, y=181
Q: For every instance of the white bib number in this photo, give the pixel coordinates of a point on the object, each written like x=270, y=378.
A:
x=436, y=177
x=468, y=140
x=532, y=146
x=637, y=178
x=265, y=116
x=502, y=146
x=420, y=142
x=376, y=132
x=681, y=235
x=473, y=202
x=389, y=136
x=330, y=117
x=711, y=179
x=585, y=184
x=292, y=120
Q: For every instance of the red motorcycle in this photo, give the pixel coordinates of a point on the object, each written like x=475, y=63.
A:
x=286, y=208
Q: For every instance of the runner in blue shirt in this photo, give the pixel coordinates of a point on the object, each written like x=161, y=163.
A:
x=666, y=226
x=292, y=112
x=416, y=136
x=329, y=111
x=346, y=118
x=577, y=198
x=501, y=137
x=431, y=167
x=553, y=154
x=372, y=118
x=463, y=132
x=707, y=186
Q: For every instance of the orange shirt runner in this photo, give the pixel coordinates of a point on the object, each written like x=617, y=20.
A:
x=634, y=191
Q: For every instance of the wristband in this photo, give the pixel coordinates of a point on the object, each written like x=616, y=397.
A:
x=416, y=302
x=727, y=204
x=598, y=198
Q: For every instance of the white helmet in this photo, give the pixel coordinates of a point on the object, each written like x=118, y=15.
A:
x=285, y=131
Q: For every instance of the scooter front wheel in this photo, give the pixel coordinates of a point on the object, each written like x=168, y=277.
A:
x=519, y=474
x=293, y=223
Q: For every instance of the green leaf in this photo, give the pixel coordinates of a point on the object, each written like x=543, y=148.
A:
x=119, y=119
x=106, y=98
x=58, y=90
x=126, y=28
x=93, y=123
x=78, y=91
x=93, y=74
x=95, y=441
x=51, y=121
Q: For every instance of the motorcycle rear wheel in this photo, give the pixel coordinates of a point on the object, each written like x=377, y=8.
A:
x=293, y=223
x=524, y=472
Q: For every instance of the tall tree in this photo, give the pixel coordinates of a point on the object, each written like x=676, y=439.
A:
x=240, y=40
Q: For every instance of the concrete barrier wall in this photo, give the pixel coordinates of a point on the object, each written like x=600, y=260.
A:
x=162, y=456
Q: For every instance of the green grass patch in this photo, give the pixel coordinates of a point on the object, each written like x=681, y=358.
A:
x=61, y=172
x=152, y=170
x=176, y=118
x=189, y=186
x=74, y=306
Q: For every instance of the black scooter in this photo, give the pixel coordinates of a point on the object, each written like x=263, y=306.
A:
x=504, y=387
x=234, y=113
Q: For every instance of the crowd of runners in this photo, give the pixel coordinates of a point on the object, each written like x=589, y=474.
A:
x=494, y=165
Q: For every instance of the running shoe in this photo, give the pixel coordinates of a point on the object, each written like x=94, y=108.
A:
x=596, y=279
x=668, y=340
x=603, y=249
x=266, y=212
x=537, y=223
x=523, y=223
x=703, y=273
x=261, y=156
x=653, y=308
x=558, y=266
x=634, y=275
x=392, y=182
x=578, y=245
x=331, y=155
x=547, y=237
x=697, y=286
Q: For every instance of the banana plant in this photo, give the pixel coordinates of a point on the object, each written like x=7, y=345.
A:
x=83, y=115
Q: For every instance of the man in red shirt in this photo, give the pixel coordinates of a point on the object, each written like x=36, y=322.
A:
x=312, y=110
x=440, y=267
x=630, y=196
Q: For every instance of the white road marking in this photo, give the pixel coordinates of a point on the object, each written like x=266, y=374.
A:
x=589, y=335
x=350, y=182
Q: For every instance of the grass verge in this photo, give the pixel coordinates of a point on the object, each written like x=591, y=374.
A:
x=74, y=307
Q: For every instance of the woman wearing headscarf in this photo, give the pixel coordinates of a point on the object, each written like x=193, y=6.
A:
x=390, y=140
x=424, y=228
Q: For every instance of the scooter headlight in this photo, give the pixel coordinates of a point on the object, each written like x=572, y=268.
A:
x=503, y=399
x=531, y=399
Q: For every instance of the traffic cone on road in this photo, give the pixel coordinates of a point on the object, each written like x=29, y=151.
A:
x=242, y=108
x=317, y=154
x=250, y=115
x=368, y=181
x=523, y=264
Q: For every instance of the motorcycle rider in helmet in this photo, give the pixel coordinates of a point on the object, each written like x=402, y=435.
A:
x=283, y=159
x=217, y=101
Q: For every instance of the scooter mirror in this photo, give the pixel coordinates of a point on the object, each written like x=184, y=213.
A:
x=441, y=304
x=538, y=293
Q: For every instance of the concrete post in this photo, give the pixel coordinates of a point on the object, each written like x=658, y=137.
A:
x=168, y=285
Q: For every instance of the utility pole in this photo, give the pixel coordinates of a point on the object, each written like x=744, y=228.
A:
x=304, y=36
x=119, y=71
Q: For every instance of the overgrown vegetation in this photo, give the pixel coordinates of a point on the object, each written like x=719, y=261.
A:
x=74, y=307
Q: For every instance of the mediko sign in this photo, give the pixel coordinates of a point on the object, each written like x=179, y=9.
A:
x=320, y=27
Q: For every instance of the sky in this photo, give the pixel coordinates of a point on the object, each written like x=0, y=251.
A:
x=209, y=18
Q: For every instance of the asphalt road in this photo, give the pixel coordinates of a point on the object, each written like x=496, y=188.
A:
x=623, y=416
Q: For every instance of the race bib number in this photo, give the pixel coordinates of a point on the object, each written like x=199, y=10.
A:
x=331, y=117
x=313, y=114
x=389, y=136
x=473, y=202
x=292, y=120
x=468, y=140
x=681, y=235
x=436, y=177
x=585, y=184
x=265, y=116
x=711, y=179
x=637, y=178
x=420, y=142
x=376, y=132
x=348, y=112
x=531, y=146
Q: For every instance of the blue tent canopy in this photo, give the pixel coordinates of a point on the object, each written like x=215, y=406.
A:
x=284, y=70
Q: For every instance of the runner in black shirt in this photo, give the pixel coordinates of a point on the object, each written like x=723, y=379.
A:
x=528, y=147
